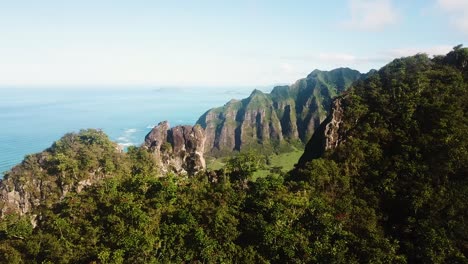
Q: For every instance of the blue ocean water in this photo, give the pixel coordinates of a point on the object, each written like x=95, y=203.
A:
x=31, y=119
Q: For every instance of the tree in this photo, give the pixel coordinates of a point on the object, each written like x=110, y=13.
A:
x=243, y=165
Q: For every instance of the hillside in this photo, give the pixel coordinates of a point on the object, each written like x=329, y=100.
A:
x=73, y=162
x=395, y=152
x=286, y=115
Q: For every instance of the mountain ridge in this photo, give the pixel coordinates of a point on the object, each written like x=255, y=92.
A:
x=288, y=113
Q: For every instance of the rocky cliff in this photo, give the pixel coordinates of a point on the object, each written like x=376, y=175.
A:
x=178, y=149
x=287, y=114
x=328, y=136
x=75, y=161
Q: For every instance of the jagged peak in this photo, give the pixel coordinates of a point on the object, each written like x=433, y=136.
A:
x=280, y=89
x=317, y=72
x=371, y=71
x=256, y=92
x=232, y=101
x=164, y=123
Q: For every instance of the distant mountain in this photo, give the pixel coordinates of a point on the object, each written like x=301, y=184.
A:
x=290, y=113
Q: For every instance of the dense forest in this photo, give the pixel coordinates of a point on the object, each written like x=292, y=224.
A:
x=392, y=190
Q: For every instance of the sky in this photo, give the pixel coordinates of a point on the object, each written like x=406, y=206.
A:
x=215, y=43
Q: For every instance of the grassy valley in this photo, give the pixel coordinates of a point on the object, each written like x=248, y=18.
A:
x=274, y=163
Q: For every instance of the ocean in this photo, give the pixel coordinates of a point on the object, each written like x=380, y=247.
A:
x=31, y=119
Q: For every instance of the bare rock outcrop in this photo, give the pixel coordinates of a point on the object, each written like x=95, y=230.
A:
x=328, y=136
x=73, y=162
x=22, y=193
x=178, y=149
x=332, y=128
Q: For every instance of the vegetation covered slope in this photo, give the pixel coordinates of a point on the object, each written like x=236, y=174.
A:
x=404, y=156
x=288, y=114
x=72, y=162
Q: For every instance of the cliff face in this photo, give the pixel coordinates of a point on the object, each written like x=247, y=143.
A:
x=328, y=136
x=288, y=113
x=73, y=162
x=179, y=149
x=20, y=196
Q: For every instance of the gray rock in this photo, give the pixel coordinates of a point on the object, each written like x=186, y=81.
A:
x=178, y=149
x=328, y=136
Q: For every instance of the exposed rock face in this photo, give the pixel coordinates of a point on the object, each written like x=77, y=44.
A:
x=157, y=137
x=179, y=149
x=288, y=113
x=328, y=136
x=332, y=129
x=22, y=197
x=69, y=165
x=16, y=198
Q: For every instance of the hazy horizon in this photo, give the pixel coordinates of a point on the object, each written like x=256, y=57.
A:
x=32, y=119
x=209, y=43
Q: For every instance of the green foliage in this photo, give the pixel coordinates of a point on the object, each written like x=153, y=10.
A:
x=141, y=161
x=86, y=156
x=243, y=165
x=8, y=254
x=404, y=160
x=394, y=191
x=14, y=226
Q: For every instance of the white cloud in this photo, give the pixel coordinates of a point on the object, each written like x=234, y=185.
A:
x=339, y=57
x=372, y=15
x=331, y=60
x=458, y=10
x=403, y=52
x=287, y=67
x=382, y=56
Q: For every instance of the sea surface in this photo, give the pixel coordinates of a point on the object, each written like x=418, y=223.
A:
x=31, y=119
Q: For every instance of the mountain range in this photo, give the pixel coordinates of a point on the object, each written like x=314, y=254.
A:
x=288, y=114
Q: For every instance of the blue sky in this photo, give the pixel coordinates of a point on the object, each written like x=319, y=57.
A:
x=214, y=43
